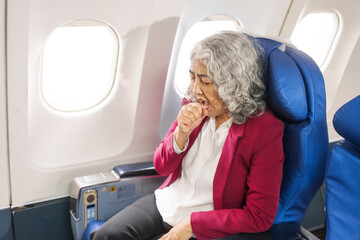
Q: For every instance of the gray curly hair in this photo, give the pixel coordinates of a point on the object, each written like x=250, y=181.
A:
x=234, y=61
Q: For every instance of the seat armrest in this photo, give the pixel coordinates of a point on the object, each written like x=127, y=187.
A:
x=142, y=169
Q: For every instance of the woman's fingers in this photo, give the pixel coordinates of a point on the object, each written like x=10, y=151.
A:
x=195, y=109
x=190, y=115
x=185, y=120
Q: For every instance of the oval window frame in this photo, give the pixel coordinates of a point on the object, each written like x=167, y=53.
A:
x=113, y=72
x=325, y=56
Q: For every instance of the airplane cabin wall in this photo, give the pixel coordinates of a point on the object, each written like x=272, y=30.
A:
x=340, y=70
x=49, y=148
x=4, y=168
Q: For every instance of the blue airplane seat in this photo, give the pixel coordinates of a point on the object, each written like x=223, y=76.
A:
x=296, y=94
x=342, y=176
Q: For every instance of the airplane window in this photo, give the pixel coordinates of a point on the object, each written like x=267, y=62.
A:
x=198, y=31
x=78, y=65
x=315, y=34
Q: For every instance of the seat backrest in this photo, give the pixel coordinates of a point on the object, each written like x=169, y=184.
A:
x=342, y=176
x=296, y=95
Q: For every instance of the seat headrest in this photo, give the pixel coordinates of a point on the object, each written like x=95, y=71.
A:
x=346, y=121
x=286, y=94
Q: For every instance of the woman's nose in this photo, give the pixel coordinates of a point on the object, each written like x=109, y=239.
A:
x=196, y=88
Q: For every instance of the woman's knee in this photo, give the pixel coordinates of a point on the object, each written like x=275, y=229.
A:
x=101, y=235
x=105, y=233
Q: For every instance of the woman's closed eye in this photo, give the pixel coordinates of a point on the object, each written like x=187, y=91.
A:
x=205, y=83
x=204, y=79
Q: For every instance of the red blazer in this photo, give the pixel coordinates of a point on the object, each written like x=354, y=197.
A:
x=247, y=180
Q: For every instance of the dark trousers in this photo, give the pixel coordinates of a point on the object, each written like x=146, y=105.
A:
x=138, y=221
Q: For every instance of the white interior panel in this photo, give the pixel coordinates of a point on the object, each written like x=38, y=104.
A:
x=4, y=169
x=348, y=88
x=49, y=148
x=340, y=69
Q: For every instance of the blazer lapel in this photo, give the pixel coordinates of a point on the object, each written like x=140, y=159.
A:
x=226, y=158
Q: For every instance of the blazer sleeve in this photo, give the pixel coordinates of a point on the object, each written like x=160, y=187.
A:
x=262, y=198
x=166, y=160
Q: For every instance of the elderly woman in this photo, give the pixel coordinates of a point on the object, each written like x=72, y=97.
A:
x=223, y=155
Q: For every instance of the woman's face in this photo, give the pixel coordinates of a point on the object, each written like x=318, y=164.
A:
x=203, y=88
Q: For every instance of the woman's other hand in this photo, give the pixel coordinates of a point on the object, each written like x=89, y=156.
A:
x=181, y=231
x=190, y=116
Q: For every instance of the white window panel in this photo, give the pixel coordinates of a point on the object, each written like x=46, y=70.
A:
x=79, y=65
x=315, y=34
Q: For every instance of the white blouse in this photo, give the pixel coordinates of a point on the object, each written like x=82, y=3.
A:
x=193, y=190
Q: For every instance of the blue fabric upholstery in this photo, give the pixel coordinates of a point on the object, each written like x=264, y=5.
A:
x=342, y=176
x=288, y=94
x=91, y=227
x=286, y=85
x=296, y=94
x=346, y=121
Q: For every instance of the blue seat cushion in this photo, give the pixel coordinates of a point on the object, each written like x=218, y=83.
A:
x=346, y=121
x=342, y=192
x=286, y=93
x=91, y=227
x=286, y=89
